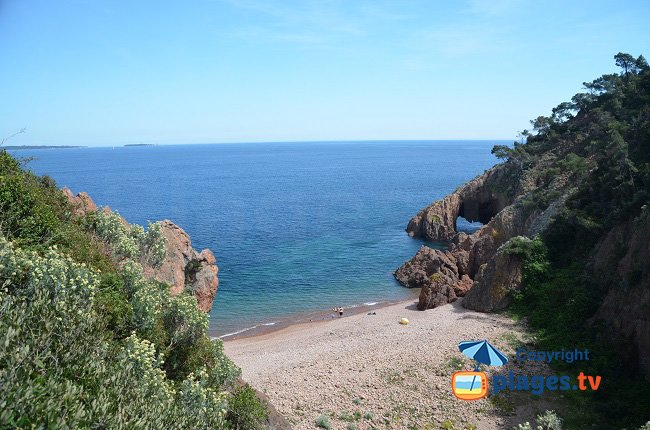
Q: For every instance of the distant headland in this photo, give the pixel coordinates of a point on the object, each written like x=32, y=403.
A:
x=14, y=147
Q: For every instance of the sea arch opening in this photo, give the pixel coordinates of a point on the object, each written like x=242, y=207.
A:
x=474, y=212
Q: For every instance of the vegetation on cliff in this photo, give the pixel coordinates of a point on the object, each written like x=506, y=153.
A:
x=564, y=241
x=604, y=138
x=88, y=341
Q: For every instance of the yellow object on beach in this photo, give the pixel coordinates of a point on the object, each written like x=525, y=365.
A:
x=404, y=321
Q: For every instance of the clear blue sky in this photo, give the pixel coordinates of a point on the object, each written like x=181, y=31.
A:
x=114, y=72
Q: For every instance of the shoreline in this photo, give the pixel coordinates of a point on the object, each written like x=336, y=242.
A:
x=307, y=318
x=372, y=366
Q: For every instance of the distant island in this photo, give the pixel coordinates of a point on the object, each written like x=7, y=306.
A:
x=13, y=147
x=141, y=144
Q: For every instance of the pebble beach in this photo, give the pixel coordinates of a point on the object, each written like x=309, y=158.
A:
x=369, y=371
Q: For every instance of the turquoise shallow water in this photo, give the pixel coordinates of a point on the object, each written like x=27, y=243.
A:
x=295, y=227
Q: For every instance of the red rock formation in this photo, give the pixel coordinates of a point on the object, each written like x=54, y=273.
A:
x=496, y=199
x=463, y=285
x=478, y=200
x=183, y=267
x=81, y=203
x=494, y=282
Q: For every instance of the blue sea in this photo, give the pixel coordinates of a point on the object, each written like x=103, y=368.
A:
x=296, y=227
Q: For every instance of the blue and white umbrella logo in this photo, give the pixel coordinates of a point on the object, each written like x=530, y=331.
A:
x=483, y=352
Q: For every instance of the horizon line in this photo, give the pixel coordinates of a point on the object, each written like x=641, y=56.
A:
x=70, y=146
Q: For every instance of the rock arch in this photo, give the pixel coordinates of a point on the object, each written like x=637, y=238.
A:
x=479, y=200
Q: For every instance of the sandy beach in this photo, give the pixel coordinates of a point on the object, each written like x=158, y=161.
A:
x=369, y=371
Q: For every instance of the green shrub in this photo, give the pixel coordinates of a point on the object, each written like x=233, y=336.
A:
x=113, y=306
x=557, y=298
x=246, y=410
x=323, y=421
x=547, y=175
x=574, y=164
x=546, y=421
x=35, y=214
x=57, y=351
x=535, y=256
x=345, y=416
x=28, y=212
x=204, y=353
x=88, y=343
x=131, y=241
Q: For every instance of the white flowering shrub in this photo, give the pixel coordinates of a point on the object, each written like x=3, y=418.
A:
x=149, y=303
x=197, y=397
x=132, y=241
x=57, y=369
x=152, y=244
x=60, y=369
x=146, y=362
x=116, y=232
x=69, y=286
x=148, y=299
x=546, y=421
x=222, y=372
x=184, y=320
x=133, y=277
x=86, y=341
x=549, y=421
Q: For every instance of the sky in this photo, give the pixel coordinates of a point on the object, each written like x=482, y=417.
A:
x=99, y=72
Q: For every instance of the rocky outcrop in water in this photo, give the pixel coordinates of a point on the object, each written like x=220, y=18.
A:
x=506, y=201
x=516, y=203
x=81, y=203
x=478, y=200
x=183, y=268
x=468, y=262
x=436, y=272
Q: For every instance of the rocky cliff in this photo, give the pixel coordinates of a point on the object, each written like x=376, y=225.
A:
x=621, y=258
x=515, y=204
x=183, y=268
x=579, y=188
x=478, y=200
x=505, y=199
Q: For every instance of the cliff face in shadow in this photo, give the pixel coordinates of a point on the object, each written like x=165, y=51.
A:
x=183, y=267
x=621, y=259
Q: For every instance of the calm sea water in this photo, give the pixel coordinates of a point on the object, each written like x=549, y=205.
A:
x=295, y=227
